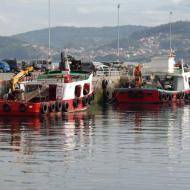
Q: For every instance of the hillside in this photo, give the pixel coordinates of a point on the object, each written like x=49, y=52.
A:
x=74, y=37
x=154, y=41
x=137, y=43
x=14, y=48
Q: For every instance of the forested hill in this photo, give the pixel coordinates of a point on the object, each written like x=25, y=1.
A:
x=137, y=42
x=75, y=37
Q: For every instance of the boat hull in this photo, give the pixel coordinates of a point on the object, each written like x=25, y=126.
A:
x=19, y=108
x=149, y=96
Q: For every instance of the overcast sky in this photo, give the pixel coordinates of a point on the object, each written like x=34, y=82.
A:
x=17, y=16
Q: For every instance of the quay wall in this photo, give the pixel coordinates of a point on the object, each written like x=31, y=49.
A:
x=112, y=82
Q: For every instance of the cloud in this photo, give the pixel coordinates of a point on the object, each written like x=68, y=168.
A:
x=177, y=1
x=23, y=15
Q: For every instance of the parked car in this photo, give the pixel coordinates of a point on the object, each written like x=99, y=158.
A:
x=87, y=66
x=14, y=65
x=4, y=67
x=39, y=64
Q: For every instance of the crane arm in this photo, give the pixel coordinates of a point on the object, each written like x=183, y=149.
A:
x=15, y=79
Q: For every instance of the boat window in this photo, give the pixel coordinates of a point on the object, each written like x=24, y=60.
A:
x=180, y=84
x=30, y=88
x=169, y=83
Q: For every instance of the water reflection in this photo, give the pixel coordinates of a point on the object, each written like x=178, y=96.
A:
x=26, y=135
x=124, y=147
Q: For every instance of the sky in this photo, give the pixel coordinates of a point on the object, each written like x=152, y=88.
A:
x=18, y=16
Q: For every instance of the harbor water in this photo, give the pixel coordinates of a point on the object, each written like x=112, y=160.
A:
x=112, y=147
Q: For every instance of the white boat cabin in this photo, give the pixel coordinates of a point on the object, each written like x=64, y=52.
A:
x=172, y=76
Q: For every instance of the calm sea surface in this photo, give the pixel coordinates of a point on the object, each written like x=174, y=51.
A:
x=111, y=148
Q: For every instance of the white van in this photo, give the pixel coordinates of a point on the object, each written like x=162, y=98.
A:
x=102, y=70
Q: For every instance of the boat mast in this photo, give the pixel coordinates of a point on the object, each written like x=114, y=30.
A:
x=118, y=30
x=171, y=51
x=171, y=60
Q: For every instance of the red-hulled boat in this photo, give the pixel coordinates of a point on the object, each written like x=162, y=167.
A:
x=170, y=86
x=52, y=91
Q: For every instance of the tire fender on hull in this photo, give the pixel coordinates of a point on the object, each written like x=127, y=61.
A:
x=76, y=103
x=85, y=101
x=52, y=107
x=7, y=108
x=58, y=106
x=44, y=108
x=65, y=106
x=22, y=108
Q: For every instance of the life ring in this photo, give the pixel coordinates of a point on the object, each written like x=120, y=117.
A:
x=104, y=84
x=78, y=90
x=6, y=107
x=86, y=89
x=44, y=108
x=52, y=107
x=84, y=101
x=22, y=108
x=75, y=102
x=58, y=106
x=65, y=106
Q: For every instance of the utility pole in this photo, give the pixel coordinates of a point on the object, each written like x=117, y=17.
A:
x=118, y=30
x=49, y=33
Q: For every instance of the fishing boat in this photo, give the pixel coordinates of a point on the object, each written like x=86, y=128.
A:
x=173, y=85
x=62, y=90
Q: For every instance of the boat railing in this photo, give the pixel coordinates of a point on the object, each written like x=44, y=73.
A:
x=112, y=72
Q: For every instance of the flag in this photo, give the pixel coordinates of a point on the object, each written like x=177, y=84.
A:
x=118, y=6
x=171, y=12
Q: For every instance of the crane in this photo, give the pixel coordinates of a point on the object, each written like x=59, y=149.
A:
x=15, y=79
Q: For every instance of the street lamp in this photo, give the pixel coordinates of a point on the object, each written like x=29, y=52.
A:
x=118, y=30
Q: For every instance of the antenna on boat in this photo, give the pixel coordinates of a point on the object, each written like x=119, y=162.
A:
x=171, y=58
x=118, y=30
x=49, y=32
x=171, y=53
